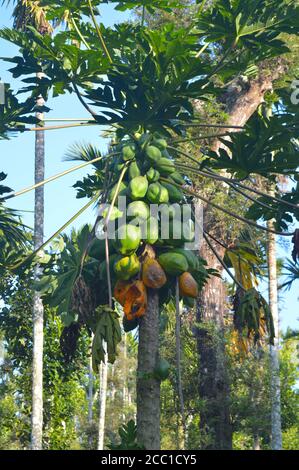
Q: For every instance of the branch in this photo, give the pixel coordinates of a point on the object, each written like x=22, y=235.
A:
x=93, y=113
x=226, y=211
x=99, y=32
x=64, y=226
x=55, y=177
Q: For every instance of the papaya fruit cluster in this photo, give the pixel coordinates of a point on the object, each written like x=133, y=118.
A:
x=151, y=178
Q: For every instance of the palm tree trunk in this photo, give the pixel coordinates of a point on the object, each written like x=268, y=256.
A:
x=148, y=387
x=276, y=435
x=90, y=401
x=38, y=310
x=102, y=402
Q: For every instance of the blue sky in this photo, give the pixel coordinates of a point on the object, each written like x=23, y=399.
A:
x=60, y=203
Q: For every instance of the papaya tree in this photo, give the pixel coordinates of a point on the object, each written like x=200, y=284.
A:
x=140, y=84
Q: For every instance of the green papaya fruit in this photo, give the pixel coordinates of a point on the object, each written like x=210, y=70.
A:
x=134, y=170
x=175, y=234
x=165, y=166
x=144, y=139
x=115, y=213
x=188, y=231
x=153, y=153
x=162, y=369
x=177, y=177
x=127, y=239
x=152, y=230
x=175, y=194
x=126, y=267
x=138, y=187
x=157, y=194
x=191, y=257
x=138, y=209
x=173, y=263
x=179, y=234
x=169, y=211
x=160, y=143
x=122, y=191
x=128, y=152
x=152, y=175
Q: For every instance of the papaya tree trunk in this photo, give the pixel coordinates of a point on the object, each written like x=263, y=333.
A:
x=38, y=310
x=148, y=387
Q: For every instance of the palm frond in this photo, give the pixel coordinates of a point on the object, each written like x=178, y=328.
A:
x=291, y=274
x=84, y=152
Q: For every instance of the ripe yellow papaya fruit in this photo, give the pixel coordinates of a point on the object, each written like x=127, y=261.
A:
x=188, y=286
x=153, y=275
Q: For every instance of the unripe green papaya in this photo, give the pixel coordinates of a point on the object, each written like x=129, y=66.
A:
x=192, y=259
x=152, y=175
x=128, y=152
x=173, y=264
x=122, y=191
x=165, y=166
x=175, y=234
x=152, y=230
x=162, y=369
x=128, y=239
x=144, y=139
x=126, y=267
x=157, y=194
x=138, y=187
x=134, y=170
x=177, y=178
x=175, y=194
x=160, y=143
x=114, y=214
x=153, y=153
x=138, y=209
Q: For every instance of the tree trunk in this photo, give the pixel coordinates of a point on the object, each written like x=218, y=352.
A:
x=102, y=402
x=241, y=100
x=90, y=401
x=38, y=310
x=276, y=435
x=256, y=442
x=213, y=381
x=148, y=388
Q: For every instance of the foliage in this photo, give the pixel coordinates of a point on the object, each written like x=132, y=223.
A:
x=128, y=436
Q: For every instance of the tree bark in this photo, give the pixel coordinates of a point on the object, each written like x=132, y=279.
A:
x=241, y=100
x=276, y=435
x=148, y=388
x=213, y=381
x=90, y=401
x=102, y=402
x=38, y=310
